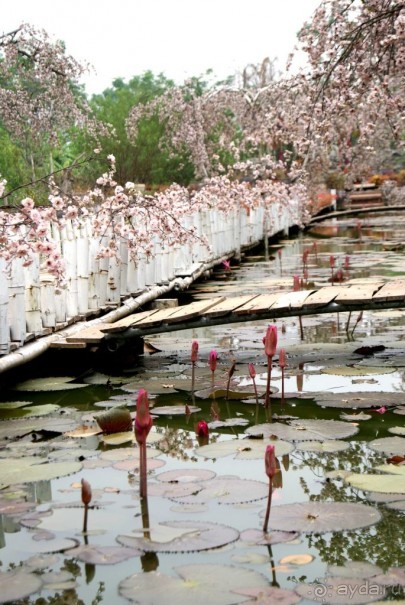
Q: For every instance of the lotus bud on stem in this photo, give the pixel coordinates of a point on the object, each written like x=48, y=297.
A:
x=142, y=426
x=358, y=320
x=212, y=362
x=282, y=364
x=271, y=469
x=202, y=432
x=270, y=347
x=297, y=288
x=86, y=499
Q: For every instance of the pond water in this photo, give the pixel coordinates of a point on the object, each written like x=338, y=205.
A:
x=198, y=536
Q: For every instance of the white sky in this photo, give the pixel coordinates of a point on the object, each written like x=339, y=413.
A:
x=180, y=38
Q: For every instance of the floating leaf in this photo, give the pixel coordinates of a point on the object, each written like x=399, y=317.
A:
x=400, y=410
x=355, y=417
x=198, y=584
x=317, y=517
x=259, y=538
x=216, y=424
x=392, y=483
x=103, y=555
x=13, y=405
x=84, y=431
x=186, y=475
x=297, y=559
x=53, y=383
x=397, y=430
x=354, y=569
x=305, y=430
x=394, y=576
x=340, y=591
x=357, y=370
x=40, y=410
x=389, y=445
x=31, y=469
x=360, y=399
x=228, y=490
x=270, y=595
x=327, y=447
x=17, y=584
x=243, y=449
x=174, y=410
x=181, y=536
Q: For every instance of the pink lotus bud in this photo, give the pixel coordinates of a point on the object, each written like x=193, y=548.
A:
x=143, y=419
x=380, y=410
x=212, y=360
x=297, y=285
x=270, y=461
x=332, y=261
x=252, y=371
x=194, y=351
x=270, y=341
x=202, y=429
x=282, y=359
x=86, y=492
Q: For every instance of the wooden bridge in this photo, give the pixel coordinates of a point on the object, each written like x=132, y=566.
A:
x=376, y=295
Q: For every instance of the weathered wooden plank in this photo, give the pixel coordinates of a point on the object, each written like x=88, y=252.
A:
x=194, y=309
x=322, y=297
x=261, y=303
x=359, y=293
x=229, y=304
x=127, y=322
x=292, y=300
x=64, y=344
x=90, y=335
x=391, y=291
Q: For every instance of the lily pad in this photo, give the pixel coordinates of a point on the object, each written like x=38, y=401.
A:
x=305, y=430
x=53, y=383
x=32, y=469
x=354, y=569
x=271, y=594
x=190, y=536
x=13, y=405
x=318, y=517
x=394, y=576
x=227, y=490
x=198, y=584
x=186, y=475
x=259, y=538
x=391, y=482
x=397, y=430
x=355, y=417
x=40, y=410
x=340, y=591
x=357, y=370
x=389, y=445
x=216, y=424
x=243, y=449
x=103, y=555
x=297, y=559
x=360, y=399
x=174, y=410
x=17, y=584
x=326, y=447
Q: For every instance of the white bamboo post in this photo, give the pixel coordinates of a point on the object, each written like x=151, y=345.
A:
x=69, y=248
x=48, y=303
x=4, y=298
x=113, y=281
x=94, y=276
x=103, y=274
x=83, y=247
x=124, y=255
x=33, y=297
x=16, y=308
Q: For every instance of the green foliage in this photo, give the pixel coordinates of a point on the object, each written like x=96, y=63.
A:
x=144, y=161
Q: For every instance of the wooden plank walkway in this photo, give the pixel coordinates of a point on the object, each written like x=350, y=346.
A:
x=373, y=295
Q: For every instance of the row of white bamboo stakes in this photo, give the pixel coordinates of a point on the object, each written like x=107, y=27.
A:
x=31, y=306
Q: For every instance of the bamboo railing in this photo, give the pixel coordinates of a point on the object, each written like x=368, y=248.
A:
x=33, y=307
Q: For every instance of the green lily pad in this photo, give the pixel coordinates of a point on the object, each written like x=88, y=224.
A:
x=181, y=536
x=354, y=569
x=13, y=405
x=391, y=483
x=198, y=584
x=397, y=430
x=319, y=517
x=18, y=584
x=103, y=555
x=55, y=383
x=326, y=447
x=304, y=430
x=32, y=469
x=389, y=445
x=357, y=370
x=227, y=490
x=243, y=449
x=360, y=399
x=40, y=410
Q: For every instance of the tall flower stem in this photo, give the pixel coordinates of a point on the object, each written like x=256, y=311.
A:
x=269, y=497
x=143, y=424
x=270, y=346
